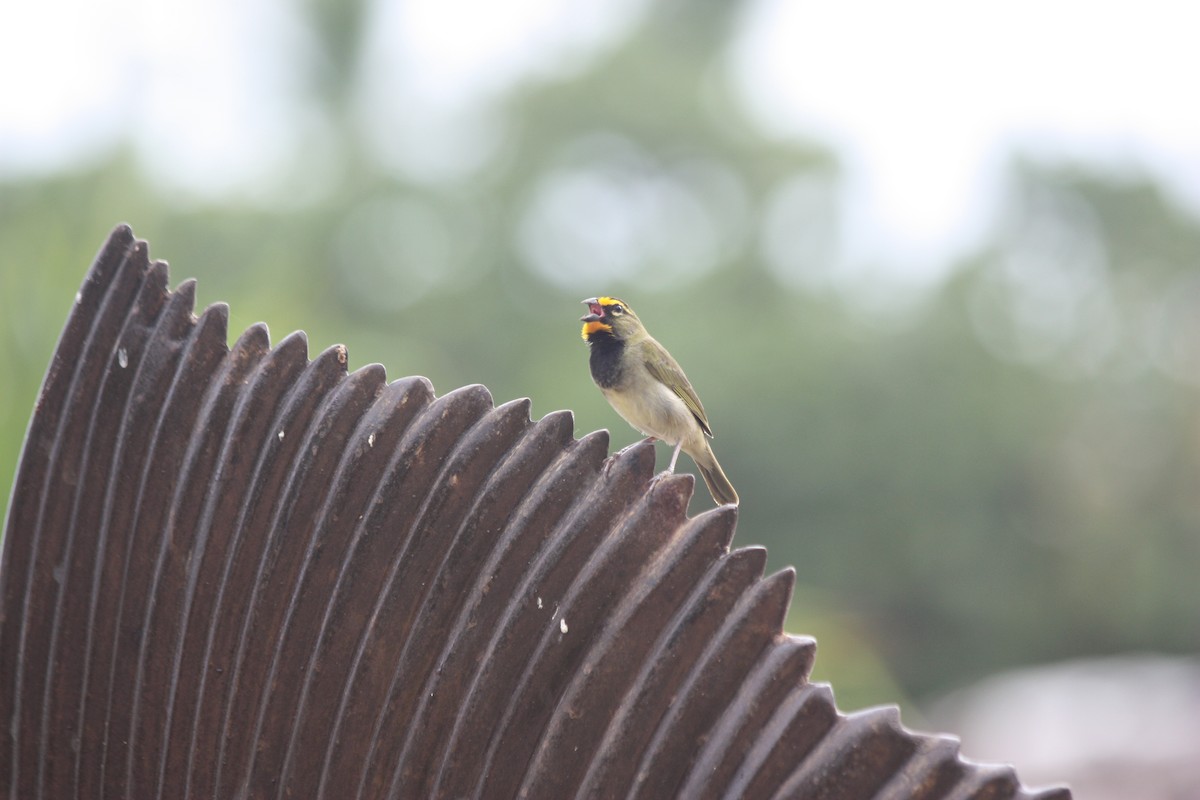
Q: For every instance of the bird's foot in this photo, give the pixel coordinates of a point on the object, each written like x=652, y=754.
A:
x=627, y=448
x=666, y=473
x=611, y=459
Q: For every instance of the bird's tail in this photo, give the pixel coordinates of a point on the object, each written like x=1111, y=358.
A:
x=714, y=477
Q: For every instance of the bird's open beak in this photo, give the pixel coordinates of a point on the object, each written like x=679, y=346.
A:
x=595, y=310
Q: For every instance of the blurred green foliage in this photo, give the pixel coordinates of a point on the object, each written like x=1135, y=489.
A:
x=1000, y=471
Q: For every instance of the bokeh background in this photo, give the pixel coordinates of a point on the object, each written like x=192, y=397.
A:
x=934, y=268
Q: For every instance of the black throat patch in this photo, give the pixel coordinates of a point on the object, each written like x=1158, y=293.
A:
x=605, y=359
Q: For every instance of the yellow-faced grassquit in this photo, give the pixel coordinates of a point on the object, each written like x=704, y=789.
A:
x=647, y=387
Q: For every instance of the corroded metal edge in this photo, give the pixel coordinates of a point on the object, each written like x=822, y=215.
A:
x=237, y=572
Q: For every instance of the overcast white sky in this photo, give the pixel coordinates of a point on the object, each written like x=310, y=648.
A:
x=922, y=100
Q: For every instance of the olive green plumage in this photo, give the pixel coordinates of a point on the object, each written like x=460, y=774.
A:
x=647, y=387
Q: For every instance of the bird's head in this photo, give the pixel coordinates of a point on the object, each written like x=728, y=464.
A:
x=609, y=317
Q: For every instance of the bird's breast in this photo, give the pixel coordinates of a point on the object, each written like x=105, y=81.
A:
x=654, y=410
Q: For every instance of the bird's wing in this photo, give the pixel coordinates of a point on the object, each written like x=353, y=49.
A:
x=666, y=369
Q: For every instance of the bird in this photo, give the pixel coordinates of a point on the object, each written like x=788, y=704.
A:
x=646, y=386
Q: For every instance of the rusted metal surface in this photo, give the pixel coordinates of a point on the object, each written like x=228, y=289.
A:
x=235, y=572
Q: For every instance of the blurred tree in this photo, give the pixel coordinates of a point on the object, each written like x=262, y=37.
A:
x=1003, y=473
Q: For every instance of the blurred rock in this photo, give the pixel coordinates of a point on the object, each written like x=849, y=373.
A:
x=1113, y=728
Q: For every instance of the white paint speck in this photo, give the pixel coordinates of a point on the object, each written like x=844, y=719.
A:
x=281, y=434
x=123, y=357
x=371, y=440
x=562, y=624
x=539, y=602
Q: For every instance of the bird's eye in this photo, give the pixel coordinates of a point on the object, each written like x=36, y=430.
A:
x=616, y=309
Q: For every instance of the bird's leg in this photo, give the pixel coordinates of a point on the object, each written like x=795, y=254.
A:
x=670, y=470
x=674, y=456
